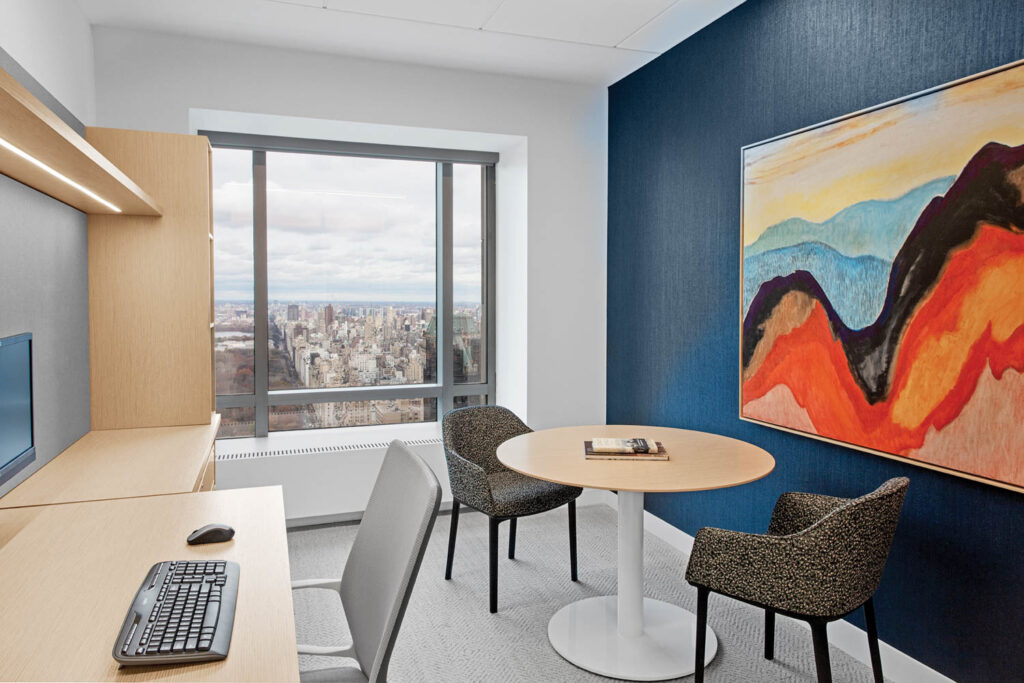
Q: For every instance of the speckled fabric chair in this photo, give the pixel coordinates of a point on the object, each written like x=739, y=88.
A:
x=821, y=559
x=471, y=439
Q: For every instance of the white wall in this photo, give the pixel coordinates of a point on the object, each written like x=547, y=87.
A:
x=150, y=81
x=52, y=40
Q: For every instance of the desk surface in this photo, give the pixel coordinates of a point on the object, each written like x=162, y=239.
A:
x=69, y=572
x=120, y=463
x=697, y=461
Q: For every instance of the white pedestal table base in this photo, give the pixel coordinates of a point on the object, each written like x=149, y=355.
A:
x=586, y=634
x=627, y=635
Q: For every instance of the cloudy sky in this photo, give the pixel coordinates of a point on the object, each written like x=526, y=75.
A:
x=342, y=228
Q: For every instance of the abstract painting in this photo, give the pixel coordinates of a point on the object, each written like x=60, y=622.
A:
x=883, y=279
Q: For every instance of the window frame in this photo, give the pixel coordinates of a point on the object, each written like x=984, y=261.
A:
x=444, y=390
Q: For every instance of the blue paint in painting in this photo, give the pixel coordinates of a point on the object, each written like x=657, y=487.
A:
x=855, y=286
x=870, y=228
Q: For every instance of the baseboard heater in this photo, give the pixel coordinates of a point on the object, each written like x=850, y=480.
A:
x=325, y=483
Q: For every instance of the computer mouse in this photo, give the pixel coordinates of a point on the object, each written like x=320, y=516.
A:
x=211, y=533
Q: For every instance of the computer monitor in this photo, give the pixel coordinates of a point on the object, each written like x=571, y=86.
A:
x=17, y=445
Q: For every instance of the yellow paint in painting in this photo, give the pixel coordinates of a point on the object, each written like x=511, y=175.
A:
x=994, y=302
x=880, y=155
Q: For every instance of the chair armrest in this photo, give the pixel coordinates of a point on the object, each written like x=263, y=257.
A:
x=469, y=482
x=792, y=573
x=332, y=584
x=327, y=650
x=796, y=511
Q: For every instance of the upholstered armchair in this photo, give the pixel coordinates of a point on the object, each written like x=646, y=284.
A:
x=479, y=480
x=821, y=559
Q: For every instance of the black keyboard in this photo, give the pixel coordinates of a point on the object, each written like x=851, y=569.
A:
x=183, y=612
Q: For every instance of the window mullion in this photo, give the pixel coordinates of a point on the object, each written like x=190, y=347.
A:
x=445, y=308
x=490, y=285
x=261, y=313
x=347, y=394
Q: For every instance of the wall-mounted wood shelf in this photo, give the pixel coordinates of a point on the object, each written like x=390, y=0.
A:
x=27, y=124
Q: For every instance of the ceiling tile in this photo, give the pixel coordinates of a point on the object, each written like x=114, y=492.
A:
x=466, y=13
x=303, y=3
x=278, y=24
x=595, y=22
x=679, y=22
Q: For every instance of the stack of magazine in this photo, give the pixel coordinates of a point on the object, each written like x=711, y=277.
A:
x=639, y=448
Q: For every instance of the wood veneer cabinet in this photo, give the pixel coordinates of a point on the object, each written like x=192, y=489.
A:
x=150, y=336
x=151, y=287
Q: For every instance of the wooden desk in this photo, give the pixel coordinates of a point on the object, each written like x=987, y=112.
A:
x=124, y=463
x=69, y=572
x=627, y=635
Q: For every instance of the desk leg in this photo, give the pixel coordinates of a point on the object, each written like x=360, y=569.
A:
x=628, y=636
x=631, y=564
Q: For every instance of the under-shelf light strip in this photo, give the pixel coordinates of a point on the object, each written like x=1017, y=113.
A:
x=57, y=174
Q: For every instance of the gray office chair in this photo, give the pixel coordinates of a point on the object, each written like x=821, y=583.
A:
x=381, y=567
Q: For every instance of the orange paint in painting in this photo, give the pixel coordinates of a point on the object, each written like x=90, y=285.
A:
x=976, y=302
x=972, y=320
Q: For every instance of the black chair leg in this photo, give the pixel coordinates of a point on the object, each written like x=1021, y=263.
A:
x=512, y=539
x=572, y=540
x=769, y=634
x=451, y=539
x=494, y=564
x=821, y=660
x=702, y=635
x=876, y=656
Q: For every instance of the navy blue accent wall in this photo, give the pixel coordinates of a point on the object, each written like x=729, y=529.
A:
x=952, y=595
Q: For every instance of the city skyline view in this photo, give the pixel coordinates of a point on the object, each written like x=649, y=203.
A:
x=333, y=345
x=351, y=283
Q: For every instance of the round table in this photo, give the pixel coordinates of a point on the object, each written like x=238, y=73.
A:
x=629, y=636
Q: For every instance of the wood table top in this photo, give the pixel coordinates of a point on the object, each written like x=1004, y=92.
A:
x=68, y=574
x=698, y=461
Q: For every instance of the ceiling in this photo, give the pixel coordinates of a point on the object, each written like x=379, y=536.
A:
x=585, y=41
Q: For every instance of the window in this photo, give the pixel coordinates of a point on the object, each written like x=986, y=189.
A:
x=340, y=270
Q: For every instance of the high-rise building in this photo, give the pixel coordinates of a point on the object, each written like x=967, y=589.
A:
x=414, y=371
x=465, y=358
x=328, y=315
x=430, y=350
x=293, y=312
x=463, y=323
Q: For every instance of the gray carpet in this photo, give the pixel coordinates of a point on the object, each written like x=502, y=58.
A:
x=448, y=634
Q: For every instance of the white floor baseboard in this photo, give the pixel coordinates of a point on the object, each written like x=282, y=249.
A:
x=896, y=665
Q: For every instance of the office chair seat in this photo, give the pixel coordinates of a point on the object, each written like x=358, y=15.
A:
x=517, y=495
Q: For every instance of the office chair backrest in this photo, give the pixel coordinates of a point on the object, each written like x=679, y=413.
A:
x=386, y=555
x=475, y=433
